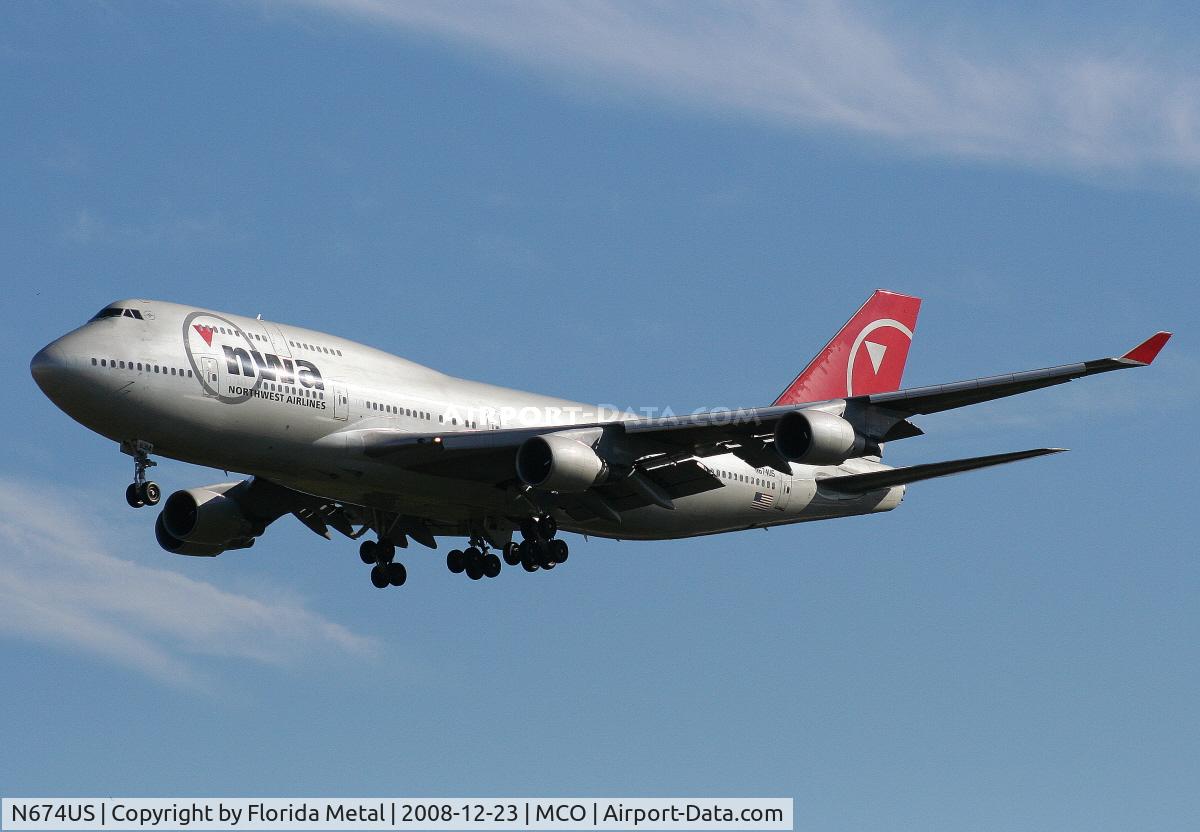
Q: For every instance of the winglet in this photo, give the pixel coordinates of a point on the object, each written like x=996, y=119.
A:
x=1148, y=350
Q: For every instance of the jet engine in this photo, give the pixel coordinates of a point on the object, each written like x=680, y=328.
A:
x=555, y=462
x=204, y=522
x=818, y=438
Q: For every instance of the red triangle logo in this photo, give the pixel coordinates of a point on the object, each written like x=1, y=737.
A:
x=206, y=332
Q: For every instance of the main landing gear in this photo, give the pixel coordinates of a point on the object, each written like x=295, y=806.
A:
x=476, y=560
x=539, y=548
x=386, y=571
x=141, y=492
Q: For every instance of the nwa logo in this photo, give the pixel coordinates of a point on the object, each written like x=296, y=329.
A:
x=243, y=360
x=886, y=342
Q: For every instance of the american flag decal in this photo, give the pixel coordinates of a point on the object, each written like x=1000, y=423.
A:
x=762, y=500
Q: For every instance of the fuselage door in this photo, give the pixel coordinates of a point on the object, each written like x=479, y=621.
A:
x=341, y=402
x=279, y=344
x=784, y=483
x=210, y=370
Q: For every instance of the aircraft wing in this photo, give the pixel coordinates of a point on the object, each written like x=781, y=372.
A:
x=941, y=397
x=644, y=445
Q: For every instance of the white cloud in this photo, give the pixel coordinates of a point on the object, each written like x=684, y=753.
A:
x=166, y=229
x=821, y=64
x=59, y=586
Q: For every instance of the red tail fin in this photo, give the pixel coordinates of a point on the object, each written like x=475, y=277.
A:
x=866, y=356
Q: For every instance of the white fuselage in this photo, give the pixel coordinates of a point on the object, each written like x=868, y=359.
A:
x=286, y=404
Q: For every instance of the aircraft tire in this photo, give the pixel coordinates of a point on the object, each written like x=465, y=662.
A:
x=547, y=527
x=379, y=577
x=558, y=548
x=491, y=564
x=131, y=496
x=512, y=553
x=474, y=570
x=456, y=561
x=473, y=556
x=149, y=493
x=366, y=551
x=385, y=552
x=396, y=574
x=529, y=529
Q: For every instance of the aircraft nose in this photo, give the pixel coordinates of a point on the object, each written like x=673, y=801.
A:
x=49, y=367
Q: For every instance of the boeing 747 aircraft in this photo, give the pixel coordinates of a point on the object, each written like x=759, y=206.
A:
x=346, y=437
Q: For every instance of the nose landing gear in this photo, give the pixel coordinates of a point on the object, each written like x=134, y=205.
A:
x=141, y=492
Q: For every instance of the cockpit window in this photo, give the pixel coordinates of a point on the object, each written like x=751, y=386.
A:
x=117, y=312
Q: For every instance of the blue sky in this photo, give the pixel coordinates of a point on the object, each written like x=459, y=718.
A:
x=646, y=206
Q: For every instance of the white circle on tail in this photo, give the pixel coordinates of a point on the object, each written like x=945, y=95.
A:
x=876, y=354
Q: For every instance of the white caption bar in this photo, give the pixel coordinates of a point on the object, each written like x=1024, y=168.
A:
x=438, y=813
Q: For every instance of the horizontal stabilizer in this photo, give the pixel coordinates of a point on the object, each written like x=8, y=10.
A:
x=861, y=483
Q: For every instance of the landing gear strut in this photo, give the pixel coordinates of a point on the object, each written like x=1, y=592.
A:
x=141, y=492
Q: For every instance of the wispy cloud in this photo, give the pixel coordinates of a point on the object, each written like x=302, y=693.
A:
x=90, y=228
x=59, y=585
x=819, y=64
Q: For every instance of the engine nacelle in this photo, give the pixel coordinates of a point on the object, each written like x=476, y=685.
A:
x=559, y=463
x=203, y=522
x=817, y=438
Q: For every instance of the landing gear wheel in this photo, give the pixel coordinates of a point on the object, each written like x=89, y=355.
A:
x=131, y=496
x=473, y=557
x=547, y=527
x=529, y=558
x=545, y=557
x=512, y=553
x=456, y=561
x=150, y=493
x=474, y=569
x=366, y=551
x=491, y=564
x=529, y=529
x=385, y=552
x=379, y=576
x=558, y=548
x=396, y=574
